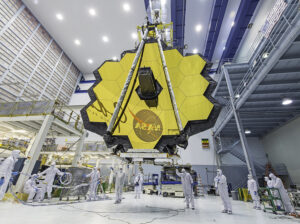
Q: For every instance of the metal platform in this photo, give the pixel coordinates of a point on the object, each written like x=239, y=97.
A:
x=29, y=116
x=142, y=155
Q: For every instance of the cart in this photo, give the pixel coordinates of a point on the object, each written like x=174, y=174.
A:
x=269, y=200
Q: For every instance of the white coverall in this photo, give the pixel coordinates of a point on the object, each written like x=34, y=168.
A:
x=6, y=169
x=252, y=188
x=95, y=177
x=120, y=180
x=187, y=185
x=269, y=182
x=221, y=185
x=283, y=193
x=138, y=185
x=111, y=179
x=31, y=189
x=49, y=179
x=275, y=193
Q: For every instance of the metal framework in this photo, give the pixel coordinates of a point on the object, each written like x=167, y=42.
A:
x=32, y=65
x=272, y=69
x=239, y=125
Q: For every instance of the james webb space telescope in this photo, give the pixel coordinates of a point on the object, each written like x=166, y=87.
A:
x=163, y=99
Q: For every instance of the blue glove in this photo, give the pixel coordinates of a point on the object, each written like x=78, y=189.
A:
x=84, y=175
x=255, y=193
x=1, y=181
x=15, y=173
x=98, y=182
x=11, y=179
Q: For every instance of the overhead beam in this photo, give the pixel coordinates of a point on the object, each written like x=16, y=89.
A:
x=19, y=125
x=242, y=19
x=214, y=27
x=22, y=118
x=273, y=83
x=178, y=11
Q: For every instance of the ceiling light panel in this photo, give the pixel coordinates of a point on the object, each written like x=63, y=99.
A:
x=126, y=7
x=77, y=42
x=59, y=16
x=198, y=28
x=105, y=39
x=287, y=101
x=247, y=131
x=92, y=12
x=134, y=36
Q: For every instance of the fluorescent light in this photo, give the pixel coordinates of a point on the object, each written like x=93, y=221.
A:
x=134, y=36
x=105, y=39
x=237, y=96
x=114, y=58
x=59, y=16
x=90, y=61
x=198, y=28
x=195, y=51
x=232, y=24
x=163, y=2
x=19, y=131
x=77, y=42
x=287, y=101
x=92, y=11
x=126, y=7
x=36, y=2
x=224, y=48
x=265, y=55
x=247, y=132
x=232, y=14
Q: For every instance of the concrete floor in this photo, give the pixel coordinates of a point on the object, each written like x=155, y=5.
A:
x=149, y=209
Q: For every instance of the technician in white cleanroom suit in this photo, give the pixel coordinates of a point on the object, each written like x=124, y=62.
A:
x=111, y=179
x=49, y=179
x=283, y=193
x=6, y=169
x=31, y=189
x=221, y=185
x=275, y=193
x=269, y=182
x=138, y=185
x=120, y=180
x=187, y=185
x=94, y=181
x=252, y=188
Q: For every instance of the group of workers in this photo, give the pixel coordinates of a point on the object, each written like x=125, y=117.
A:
x=31, y=186
x=36, y=188
x=273, y=183
x=37, y=192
